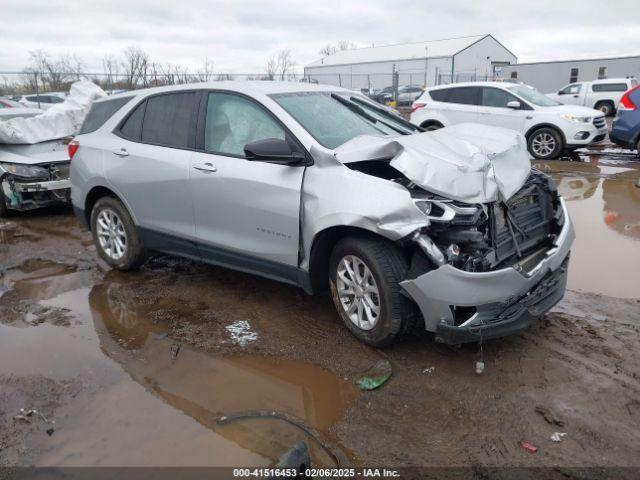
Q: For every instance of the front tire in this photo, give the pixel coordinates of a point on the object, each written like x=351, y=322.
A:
x=115, y=235
x=545, y=144
x=365, y=273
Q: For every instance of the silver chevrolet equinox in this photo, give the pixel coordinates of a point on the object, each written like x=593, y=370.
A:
x=319, y=187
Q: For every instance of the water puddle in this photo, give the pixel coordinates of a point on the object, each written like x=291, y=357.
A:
x=142, y=388
x=604, y=203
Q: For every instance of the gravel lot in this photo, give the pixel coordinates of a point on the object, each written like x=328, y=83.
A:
x=135, y=369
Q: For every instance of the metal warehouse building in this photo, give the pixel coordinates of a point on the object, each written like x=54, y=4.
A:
x=423, y=63
x=549, y=77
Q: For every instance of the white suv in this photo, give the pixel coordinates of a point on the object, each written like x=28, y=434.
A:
x=549, y=127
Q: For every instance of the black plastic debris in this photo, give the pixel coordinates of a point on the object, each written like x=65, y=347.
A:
x=296, y=458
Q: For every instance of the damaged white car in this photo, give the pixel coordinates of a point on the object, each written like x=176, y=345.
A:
x=319, y=187
x=34, y=155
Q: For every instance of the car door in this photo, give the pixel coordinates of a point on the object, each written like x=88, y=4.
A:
x=247, y=213
x=572, y=94
x=461, y=104
x=493, y=109
x=147, y=162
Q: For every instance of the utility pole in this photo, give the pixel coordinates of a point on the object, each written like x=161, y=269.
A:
x=426, y=64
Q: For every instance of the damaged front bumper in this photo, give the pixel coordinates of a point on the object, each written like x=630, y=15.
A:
x=22, y=194
x=461, y=306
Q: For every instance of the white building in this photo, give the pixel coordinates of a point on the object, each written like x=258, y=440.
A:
x=429, y=63
x=549, y=77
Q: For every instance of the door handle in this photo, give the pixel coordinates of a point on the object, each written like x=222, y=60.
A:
x=205, y=167
x=121, y=153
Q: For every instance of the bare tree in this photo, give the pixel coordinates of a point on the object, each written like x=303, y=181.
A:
x=53, y=73
x=135, y=65
x=286, y=64
x=341, y=45
x=110, y=68
x=205, y=73
x=272, y=67
x=225, y=76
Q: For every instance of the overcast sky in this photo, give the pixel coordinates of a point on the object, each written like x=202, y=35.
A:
x=239, y=35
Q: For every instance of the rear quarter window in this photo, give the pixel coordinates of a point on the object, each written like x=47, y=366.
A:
x=101, y=112
x=440, y=95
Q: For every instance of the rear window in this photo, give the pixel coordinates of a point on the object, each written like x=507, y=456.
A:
x=461, y=95
x=609, y=87
x=101, y=112
x=167, y=119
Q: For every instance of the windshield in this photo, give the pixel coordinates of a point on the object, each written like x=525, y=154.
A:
x=532, y=95
x=335, y=118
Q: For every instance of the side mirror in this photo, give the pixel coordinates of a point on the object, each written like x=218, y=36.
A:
x=514, y=104
x=273, y=150
x=561, y=92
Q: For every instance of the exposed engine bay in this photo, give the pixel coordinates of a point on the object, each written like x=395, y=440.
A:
x=480, y=237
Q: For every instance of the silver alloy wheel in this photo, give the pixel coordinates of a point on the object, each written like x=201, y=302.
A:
x=543, y=144
x=111, y=234
x=358, y=292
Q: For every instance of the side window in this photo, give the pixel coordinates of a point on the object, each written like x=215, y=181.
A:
x=132, y=127
x=54, y=99
x=167, y=119
x=494, y=97
x=31, y=98
x=464, y=95
x=233, y=121
x=571, y=89
x=440, y=95
x=609, y=87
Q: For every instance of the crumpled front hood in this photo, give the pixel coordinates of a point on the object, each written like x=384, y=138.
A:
x=467, y=162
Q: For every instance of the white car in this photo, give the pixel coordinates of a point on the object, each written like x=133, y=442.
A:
x=602, y=95
x=44, y=101
x=549, y=127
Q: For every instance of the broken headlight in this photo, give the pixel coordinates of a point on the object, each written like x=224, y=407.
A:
x=25, y=171
x=446, y=210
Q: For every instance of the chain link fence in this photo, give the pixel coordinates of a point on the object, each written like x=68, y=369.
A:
x=383, y=87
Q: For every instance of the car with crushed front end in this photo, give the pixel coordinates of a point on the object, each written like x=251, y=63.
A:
x=320, y=187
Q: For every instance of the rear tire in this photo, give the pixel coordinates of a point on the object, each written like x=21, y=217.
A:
x=115, y=235
x=372, y=268
x=605, y=107
x=545, y=144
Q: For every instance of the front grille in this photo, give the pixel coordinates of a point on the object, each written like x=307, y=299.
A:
x=599, y=122
x=523, y=223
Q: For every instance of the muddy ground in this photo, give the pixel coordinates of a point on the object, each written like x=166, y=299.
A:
x=136, y=369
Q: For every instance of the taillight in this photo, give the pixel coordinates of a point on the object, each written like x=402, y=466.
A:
x=416, y=106
x=625, y=102
x=72, y=148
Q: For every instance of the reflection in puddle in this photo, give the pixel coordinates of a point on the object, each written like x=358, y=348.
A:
x=207, y=387
x=145, y=402
x=604, y=204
